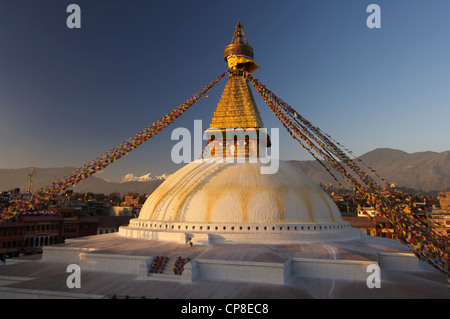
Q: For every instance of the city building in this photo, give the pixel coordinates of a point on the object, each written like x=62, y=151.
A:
x=111, y=224
x=42, y=228
x=131, y=199
x=444, y=201
x=29, y=232
x=121, y=211
x=384, y=227
x=442, y=219
x=12, y=236
x=367, y=212
x=364, y=223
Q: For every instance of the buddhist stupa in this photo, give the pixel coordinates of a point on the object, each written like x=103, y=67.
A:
x=255, y=235
x=211, y=201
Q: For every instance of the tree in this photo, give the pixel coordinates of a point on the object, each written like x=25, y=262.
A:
x=114, y=198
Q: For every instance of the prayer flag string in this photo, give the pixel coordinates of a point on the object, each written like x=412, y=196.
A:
x=104, y=160
x=419, y=234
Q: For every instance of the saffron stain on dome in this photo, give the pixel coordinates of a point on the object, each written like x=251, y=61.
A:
x=210, y=202
x=244, y=199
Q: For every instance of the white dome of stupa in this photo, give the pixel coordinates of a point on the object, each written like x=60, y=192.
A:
x=212, y=192
x=213, y=202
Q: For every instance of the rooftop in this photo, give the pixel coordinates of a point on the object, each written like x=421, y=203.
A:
x=32, y=277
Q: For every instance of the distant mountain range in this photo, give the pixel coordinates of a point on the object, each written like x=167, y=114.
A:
x=422, y=171
x=425, y=171
x=18, y=178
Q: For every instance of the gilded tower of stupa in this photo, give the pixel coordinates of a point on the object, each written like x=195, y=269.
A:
x=237, y=111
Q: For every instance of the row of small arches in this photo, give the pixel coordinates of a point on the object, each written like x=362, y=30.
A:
x=165, y=226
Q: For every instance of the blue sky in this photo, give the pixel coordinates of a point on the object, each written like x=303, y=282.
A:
x=69, y=95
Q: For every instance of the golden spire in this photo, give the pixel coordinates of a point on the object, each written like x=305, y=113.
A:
x=237, y=109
